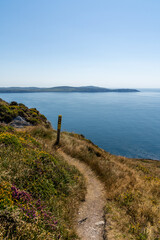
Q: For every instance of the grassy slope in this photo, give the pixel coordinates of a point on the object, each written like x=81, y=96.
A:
x=132, y=186
x=37, y=188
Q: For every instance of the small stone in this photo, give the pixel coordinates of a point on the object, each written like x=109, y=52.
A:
x=99, y=223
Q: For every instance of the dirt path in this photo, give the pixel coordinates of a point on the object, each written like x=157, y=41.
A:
x=90, y=223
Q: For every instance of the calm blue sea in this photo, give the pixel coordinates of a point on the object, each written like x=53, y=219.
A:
x=126, y=124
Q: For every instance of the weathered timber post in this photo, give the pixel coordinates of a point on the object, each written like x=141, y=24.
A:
x=58, y=129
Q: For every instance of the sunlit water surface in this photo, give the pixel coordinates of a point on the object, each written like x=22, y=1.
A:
x=126, y=124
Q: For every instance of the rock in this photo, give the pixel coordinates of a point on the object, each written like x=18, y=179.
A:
x=99, y=223
x=19, y=122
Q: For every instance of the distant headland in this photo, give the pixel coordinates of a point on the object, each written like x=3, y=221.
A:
x=88, y=89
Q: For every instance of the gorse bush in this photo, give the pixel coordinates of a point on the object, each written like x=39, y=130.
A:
x=5, y=195
x=10, y=139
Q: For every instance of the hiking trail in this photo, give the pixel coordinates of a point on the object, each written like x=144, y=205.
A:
x=90, y=222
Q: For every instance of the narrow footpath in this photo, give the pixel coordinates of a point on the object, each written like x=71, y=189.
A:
x=90, y=222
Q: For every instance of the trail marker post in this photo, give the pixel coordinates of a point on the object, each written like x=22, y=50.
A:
x=58, y=129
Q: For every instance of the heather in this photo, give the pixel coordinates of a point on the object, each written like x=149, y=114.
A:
x=36, y=188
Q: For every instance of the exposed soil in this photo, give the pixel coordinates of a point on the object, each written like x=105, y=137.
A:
x=90, y=222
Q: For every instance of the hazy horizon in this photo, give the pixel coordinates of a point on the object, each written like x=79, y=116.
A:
x=75, y=86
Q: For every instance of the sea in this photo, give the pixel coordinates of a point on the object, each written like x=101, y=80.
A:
x=125, y=124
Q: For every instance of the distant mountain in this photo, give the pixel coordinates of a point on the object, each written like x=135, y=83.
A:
x=63, y=89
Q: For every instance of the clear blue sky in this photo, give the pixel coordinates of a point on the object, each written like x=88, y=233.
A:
x=109, y=43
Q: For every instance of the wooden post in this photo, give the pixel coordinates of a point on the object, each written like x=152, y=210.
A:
x=58, y=129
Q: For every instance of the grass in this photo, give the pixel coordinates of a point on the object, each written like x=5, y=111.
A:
x=37, y=188
x=132, y=186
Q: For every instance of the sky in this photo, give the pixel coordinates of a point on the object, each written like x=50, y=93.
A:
x=107, y=43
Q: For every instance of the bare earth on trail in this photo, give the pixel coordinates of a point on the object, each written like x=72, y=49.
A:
x=90, y=222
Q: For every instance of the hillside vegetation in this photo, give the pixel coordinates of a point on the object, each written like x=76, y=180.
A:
x=132, y=189
x=37, y=188
x=9, y=111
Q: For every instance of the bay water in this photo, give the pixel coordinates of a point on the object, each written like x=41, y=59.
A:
x=126, y=124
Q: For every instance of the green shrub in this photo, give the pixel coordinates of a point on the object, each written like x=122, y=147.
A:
x=10, y=111
x=13, y=103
